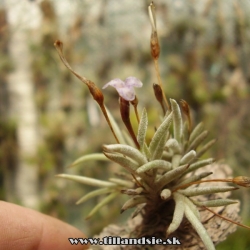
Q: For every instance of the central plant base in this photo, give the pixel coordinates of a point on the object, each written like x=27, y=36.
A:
x=153, y=222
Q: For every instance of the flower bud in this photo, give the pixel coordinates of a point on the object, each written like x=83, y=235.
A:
x=125, y=114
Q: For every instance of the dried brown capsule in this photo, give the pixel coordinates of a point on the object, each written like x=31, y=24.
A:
x=159, y=95
x=243, y=181
x=154, y=42
x=186, y=111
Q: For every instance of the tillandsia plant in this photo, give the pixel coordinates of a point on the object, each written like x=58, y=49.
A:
x=165, y=178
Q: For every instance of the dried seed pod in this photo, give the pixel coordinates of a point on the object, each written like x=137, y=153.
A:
x=154, y=42
x=159, y=96
x=186, y=111
x=243, y=181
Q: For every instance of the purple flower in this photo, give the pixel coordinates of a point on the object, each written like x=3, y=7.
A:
x=125, y=88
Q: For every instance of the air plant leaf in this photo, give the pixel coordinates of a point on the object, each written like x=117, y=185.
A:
x=87, y=180
x=170, y=176
x=89, y=157
x=192, y=178
x=199, y=228
x=122, y=183
x=215, y=203
x=136, y=191
x=177, y=120
x=188, y=157
x=127, y=163
x=94, y=193
x=133, y=202
x=192, y=207
x=199, y=164
x=178, y=213
x=196, y=132
x=206, y=190
x=155, y=164
x=173, y=145
x=165, y=194
x=159, y=135
x=126, y=150
x=205, y=148
x=142, y=129
x=103, y=202
x=198, y=140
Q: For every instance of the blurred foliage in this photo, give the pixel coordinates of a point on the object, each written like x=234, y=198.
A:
x=205, y=57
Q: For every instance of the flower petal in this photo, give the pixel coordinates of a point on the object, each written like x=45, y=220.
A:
x=132, y=81
x=116, y=83
x=127, y=93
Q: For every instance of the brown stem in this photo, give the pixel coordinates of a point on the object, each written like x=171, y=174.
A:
x=93, y=89
x=160, y=82
x=222, y=217
x=135, y=104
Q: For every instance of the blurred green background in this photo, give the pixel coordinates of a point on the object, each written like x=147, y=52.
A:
x=48, y=119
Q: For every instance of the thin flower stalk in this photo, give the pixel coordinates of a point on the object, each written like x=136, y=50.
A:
x=93, y=89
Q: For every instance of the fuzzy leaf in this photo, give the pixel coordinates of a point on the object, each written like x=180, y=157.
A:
x=215, y=203
x=177, y=120
x=196, y=132
x=178, y=213
x=160, y=134
x=89, y=157
x=206, y=190
x=142, y=129
x=122, y=183
x=192, y=207
x=126, y=150
x=103, y=202
x=173, y=145
x=136, y=191
x=87, y=180
x=134, y=201
x=204, y=148
x=154, y=164
x=159, y=151
x=188, y=157
x=170, y=176
x=165, y=194
x=193, y=178
x=198, y=140
x=94, y=193
x=202, y=232
x=127, y=163
x=200, y=164
x=138, y=210
x=176, y=161
x=185, y=134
